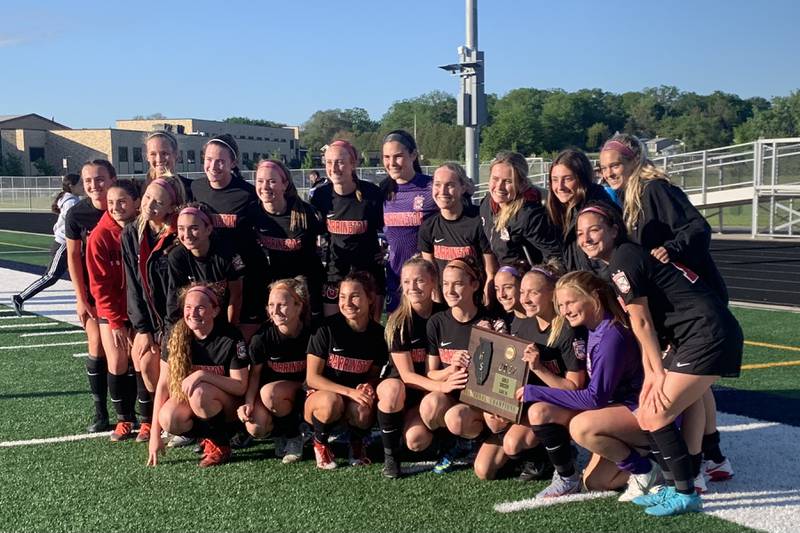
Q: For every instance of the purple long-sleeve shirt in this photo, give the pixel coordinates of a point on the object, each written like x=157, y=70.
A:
x=402, y=217
x=614, y=364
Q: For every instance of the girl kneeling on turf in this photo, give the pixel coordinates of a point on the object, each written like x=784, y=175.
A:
x=202, y=378
x=274, y=399
x=344, y=356
x=107, y=287
x=405, y=382
x=614, y=367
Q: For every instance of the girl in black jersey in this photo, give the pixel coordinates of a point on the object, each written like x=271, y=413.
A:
x=97, y=176
x=274, y=399
x=287, y=229
x=455, y=231
x=161, y=149
x=659, y=217
x=404, y=380
x=571, y=188
x=448, y=360
x=513, y=217
x=203, y=257
x=667, y=302
x=203, y=376
x=146, y=242
x=344, y=356
x=506, y=288
x=353, y=213
x=233, y=199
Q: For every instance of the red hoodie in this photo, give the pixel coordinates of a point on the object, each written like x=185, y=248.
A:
x=106, y=273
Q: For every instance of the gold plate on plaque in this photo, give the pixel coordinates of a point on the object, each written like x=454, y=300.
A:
x=510, y=353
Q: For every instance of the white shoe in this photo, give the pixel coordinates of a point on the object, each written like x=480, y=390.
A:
x=718, y=471
x=700, y=486
x=293, y=450
x=562, y=486
x=280, y=446
x=641, y=484
x=179, y=441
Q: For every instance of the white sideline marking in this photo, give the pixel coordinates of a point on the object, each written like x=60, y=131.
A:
x=26, y=346
x=747, y=427
x=53, y=440
x=47, y=333
x=55, y=303
x=84, y=354
x=533, y=503
x=31, y=325
x=14, y=317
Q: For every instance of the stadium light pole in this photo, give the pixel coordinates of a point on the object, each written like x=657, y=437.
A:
x=471, y=99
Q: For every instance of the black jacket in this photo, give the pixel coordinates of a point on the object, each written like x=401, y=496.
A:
x=574, y=257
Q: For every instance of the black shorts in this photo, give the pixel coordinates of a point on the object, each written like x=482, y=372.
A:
x=101, y=320
x=722, y=358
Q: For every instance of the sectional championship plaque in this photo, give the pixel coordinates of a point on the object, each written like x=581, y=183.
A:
x=496, y=372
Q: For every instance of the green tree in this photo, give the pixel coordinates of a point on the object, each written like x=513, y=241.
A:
x=325, y=125
x=11, y=165
x=254, y=122
x=45, y=168
x=308, y=160
x=596, y=135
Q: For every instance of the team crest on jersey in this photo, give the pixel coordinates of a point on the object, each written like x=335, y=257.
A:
x=621, y=281
x=419, y=202
x=237, y=263
x=241, y=350
x=579, y=347
x=504, y=235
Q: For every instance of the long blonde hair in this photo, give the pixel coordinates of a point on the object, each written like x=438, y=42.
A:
x=589, y=286
x=179, y=345
x=643, y=171
x=519, y=168
x=180, y=199
x=399, y=322
x=297, y=288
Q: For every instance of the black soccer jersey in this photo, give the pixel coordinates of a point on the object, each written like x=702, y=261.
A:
x=446, y=335
x=81, y=220
x=413, y=341
x=349, y=355
x=284, y=358
x=685, y=310
x=224, y=349
x=289, y=252
x=528, y=237
x=353, y=227
x=567, y=354
x=453, y=239
x=220, y=265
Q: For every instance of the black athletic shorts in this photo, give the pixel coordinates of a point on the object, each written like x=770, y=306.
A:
x=720, y=358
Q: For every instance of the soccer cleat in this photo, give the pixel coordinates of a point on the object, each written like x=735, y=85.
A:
x=536, y=470
x=391, y=467
x=144, y=432
x=677, y=503
x=324, y=457
x=700, y=483
x=718, y=471
x=358, y=456
x=179, y=441
x=444, y=465
x=214, y=454
x=241, y=440
x=641, y=484
x=293, y=451
x=561, y=486
x=18, y=304
x=98, y=425
x=123, y=431
x=654, y=498
x=280, y=446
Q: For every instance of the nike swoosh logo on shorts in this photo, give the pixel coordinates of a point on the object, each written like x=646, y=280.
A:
x=338, y=349
x=681, y=365
x=438, y=240
x=446, y=344
x=415, y=341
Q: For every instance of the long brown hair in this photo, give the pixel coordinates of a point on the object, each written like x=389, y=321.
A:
x=589, y=286
x=298, y=219
x=576, y=161
x=399, y=322
x=179, y=345
x=368, y=284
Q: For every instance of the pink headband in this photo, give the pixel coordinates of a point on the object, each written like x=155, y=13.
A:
x=349, y=147
x=208, y=292
x=618, y=147
x=545, y=273
x=273, y=164
x=596, y=210
x=197, y=212
x=164, y=184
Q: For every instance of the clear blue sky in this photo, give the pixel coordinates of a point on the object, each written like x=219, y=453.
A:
x=90, y=63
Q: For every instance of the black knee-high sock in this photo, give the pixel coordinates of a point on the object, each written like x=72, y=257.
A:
x=287, y=426
x=97, y=372
x=697, y=463
x=218, y=429
x=555, y=438
x=145, y=399
x=391, y=431
x=321, y=430
x=711, y=449
x=116, y=389
x=673, y=448
x=129, y=388
x=658, y=457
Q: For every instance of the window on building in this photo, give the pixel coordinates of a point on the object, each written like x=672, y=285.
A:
x=250, y=137
x=137, y=154
x=36, y=153
x=190, y=157
x=259, y=138
x=180, y=156
x=291, y=144
x=122, y=154
x=245, y=156
x=256, y=155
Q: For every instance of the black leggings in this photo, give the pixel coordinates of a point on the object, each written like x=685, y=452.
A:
x=56, y=269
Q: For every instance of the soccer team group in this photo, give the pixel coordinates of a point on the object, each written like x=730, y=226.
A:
x=229, y=311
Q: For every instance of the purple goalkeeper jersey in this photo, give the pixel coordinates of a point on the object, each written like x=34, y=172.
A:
x=402, y=217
